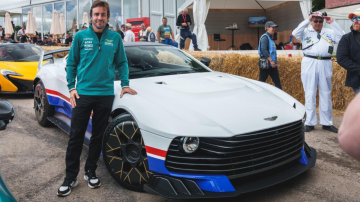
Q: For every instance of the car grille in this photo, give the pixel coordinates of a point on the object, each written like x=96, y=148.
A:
x=22, y=85
x=240, y=155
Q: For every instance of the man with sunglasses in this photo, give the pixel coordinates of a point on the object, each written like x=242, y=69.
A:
x=348, y=52
x=316, y=67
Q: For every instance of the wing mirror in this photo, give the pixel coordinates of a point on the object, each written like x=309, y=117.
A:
x=206, y=61
x=7, y=114
x=59, y=55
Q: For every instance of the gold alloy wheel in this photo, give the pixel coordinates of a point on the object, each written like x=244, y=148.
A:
x=125, y=155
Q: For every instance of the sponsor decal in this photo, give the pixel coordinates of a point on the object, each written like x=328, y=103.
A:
x=88, y=45
x=307, y=38
x=271, y=118
x=109, y=43
x=308, y=41
x=108, y=40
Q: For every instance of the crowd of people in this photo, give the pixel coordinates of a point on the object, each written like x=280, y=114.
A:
x=316, y=67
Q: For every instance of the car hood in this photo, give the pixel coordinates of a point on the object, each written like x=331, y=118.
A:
x=207, y=104
x=28, y=70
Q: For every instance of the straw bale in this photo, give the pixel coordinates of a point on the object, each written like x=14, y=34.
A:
x=49, y=48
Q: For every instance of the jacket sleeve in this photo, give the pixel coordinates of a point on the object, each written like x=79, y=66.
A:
x=342, y=55
x=178, y=21
x=299, y=31
x=338, y=32
x=121, y=65
x=73, y=62
x=265, y=46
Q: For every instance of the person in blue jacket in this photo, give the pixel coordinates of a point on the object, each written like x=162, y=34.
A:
x=267, y=50
x=94, y=55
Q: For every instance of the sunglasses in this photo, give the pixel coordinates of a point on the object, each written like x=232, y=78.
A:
x=318, y=21
x=357, y=17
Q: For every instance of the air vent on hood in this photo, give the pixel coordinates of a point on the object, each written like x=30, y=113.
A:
x=161, y=82
x=294, y=105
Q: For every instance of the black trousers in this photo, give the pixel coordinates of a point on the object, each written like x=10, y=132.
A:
x=274, y=74
x=184, y=34
x=101, y=107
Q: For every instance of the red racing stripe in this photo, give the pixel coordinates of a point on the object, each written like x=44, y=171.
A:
x=58, y=94
x=157, y=152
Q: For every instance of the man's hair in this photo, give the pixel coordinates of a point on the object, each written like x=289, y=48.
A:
x=164, y=18
x=185, y=9
x=100, y=3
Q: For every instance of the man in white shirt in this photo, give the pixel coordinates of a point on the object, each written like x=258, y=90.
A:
x=316, y=67
x=22, y=34
x=129, y=35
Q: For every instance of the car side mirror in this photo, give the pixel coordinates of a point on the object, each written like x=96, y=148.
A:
x=206, y=61
x=7, y=114
x=59, y=55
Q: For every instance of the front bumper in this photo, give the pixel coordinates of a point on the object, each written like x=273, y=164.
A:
x=11, y=85
x=181, y=188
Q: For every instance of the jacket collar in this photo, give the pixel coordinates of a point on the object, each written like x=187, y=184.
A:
x=356, y=35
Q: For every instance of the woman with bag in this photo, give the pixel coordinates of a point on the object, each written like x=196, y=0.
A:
x=268, y=56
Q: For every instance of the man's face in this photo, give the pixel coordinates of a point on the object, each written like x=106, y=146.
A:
x=123, y=29
x=23, y=27
x=356, y=25
x=143, y=27
x=3, y=52
x=1, y=28
x=164, y=21
x=6, y=38
x=317, y=23
x=271, y=30
x=184, y=12
x=99, y=17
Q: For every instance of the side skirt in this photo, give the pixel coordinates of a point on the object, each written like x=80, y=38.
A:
x=63, y=122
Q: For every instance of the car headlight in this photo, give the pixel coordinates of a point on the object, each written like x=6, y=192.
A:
x=6, y=72
x=304, y=118
x=189, y=145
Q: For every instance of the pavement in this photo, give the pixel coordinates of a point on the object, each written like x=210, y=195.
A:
x=32, y=161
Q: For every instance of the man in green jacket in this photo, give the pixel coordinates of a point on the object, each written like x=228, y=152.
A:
x=94, y=55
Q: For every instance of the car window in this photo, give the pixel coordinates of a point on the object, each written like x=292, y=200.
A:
x=20, y=53
x=149, y=61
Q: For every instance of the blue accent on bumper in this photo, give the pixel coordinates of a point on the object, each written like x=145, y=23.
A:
x=212, y=183
x=64, y=108
x=303, y=159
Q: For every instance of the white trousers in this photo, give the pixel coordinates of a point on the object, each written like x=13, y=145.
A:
x=313, y=73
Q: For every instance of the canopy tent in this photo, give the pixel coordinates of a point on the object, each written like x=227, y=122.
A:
x=85, y=18
x=8, y=26
x=30, y=28
x=201, y=8
x=55, y=24
x=62, y=23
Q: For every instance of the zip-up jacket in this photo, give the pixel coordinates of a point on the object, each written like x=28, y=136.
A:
x=93, y=62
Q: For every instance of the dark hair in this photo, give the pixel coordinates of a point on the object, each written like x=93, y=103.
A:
x=100, y=3
x=164, y=17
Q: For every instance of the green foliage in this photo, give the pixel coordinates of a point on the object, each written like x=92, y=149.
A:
x=17, y=28
x=318, y=5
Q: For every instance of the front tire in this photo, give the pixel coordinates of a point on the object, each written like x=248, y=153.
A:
x=124, y=153
x=42, y=108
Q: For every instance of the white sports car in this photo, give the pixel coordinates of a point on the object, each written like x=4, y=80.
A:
x=190, y=132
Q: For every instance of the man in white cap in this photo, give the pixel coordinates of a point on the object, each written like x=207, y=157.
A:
x=348, y=52
x=129, y=35
x=316, y=67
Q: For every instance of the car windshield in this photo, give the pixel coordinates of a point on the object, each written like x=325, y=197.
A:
x=20, y=53
x=149, y=61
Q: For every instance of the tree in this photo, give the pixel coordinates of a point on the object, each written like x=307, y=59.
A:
x=318, y=5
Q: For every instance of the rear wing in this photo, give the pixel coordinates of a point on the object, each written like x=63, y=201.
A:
x=51, y=55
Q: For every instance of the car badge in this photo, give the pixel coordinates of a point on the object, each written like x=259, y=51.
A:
x=271, y=118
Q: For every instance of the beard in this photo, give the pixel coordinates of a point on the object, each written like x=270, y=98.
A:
x=356, y=26
x=99, y=24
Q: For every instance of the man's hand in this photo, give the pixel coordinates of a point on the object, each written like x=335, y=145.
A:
x=127, y=90
x=328, y=19
x=311, y=16
x=273, y=65
x=73, y=96
x=184, y=24
x=173, y=40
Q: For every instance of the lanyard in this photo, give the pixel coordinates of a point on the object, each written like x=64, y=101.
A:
x=184, y=17
x=326, y=39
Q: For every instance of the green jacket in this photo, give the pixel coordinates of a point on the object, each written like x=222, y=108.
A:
x=93, y=63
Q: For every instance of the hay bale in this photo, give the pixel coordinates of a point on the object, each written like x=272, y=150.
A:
x=246, y=65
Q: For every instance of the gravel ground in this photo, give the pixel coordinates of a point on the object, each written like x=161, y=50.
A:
x=32, y=161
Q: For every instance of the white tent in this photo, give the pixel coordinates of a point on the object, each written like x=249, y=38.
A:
x=55, y=24
x=201, y=8
x=30, y=31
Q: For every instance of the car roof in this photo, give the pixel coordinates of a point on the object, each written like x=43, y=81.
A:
x=16, y=44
